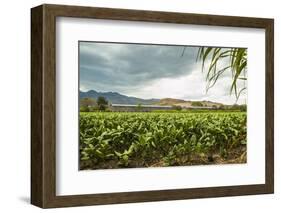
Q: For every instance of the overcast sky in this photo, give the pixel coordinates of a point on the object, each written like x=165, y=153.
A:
x=149, y=71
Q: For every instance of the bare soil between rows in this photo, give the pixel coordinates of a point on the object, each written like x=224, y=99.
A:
x=237, y=155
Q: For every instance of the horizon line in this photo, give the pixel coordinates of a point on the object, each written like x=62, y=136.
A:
x=192, y=100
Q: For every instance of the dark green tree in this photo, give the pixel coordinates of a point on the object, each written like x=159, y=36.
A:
x=139, y=107
x=197, y=104
x=176, y=107
x=102, y=103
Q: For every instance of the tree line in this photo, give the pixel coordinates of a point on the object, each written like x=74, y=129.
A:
x=90, y=104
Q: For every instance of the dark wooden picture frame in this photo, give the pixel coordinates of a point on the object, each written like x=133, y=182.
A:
x=43, y=105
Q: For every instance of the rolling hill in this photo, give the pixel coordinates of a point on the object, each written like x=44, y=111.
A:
x=117, y=98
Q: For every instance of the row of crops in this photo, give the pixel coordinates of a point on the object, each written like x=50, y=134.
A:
x=126, y=139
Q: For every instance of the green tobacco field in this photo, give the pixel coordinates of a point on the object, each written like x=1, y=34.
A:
x=111, y=140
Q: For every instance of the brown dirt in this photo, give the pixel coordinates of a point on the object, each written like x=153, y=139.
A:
x=235, y=156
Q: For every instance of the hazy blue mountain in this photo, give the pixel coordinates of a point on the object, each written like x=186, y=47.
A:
x=116, y=98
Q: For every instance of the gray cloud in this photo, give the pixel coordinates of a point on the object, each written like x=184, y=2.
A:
x=126, y=67
x=150, y=71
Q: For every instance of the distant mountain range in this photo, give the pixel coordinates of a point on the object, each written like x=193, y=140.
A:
x=117, y=98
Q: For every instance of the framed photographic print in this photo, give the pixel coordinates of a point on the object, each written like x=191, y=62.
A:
x=136, y=106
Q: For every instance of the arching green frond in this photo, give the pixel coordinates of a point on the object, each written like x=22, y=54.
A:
x=221, y=60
